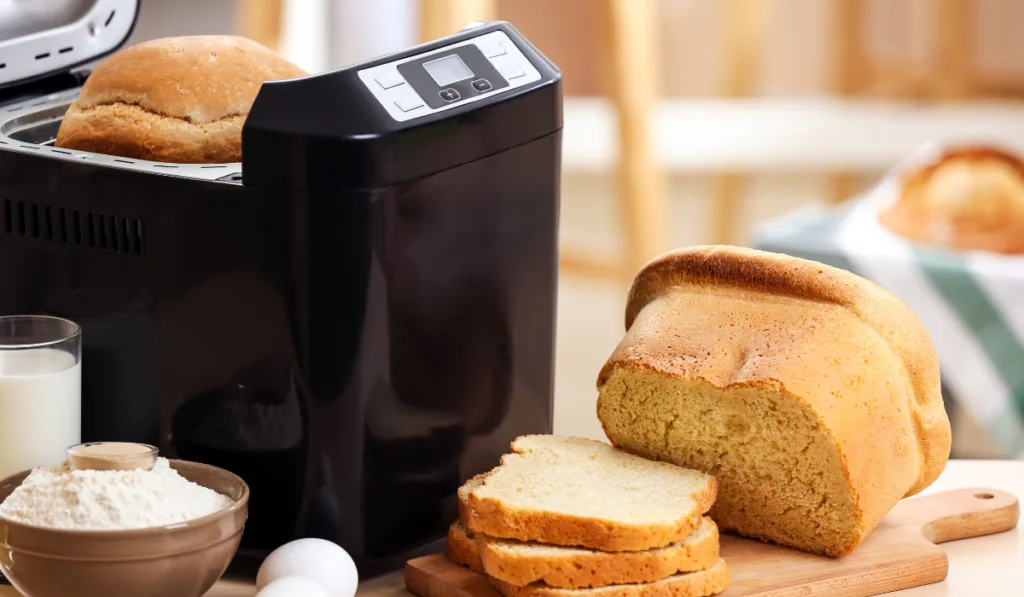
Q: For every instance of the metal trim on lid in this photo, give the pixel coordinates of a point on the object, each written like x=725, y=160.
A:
x=102, y=30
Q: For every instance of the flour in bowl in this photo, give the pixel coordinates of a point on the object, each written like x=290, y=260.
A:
x=58, y=497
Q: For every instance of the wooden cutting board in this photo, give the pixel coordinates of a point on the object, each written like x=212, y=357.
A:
x=901, y=553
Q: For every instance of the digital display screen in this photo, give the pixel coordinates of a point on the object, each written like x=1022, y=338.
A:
x=447, y=70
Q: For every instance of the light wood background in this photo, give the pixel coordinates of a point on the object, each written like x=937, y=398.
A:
x=795, y=59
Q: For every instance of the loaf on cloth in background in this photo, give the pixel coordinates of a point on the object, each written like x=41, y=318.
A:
x=967, y=198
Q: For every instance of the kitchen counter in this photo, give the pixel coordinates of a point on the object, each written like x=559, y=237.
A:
x=991, y=565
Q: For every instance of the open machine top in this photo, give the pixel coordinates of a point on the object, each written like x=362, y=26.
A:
x=44, y=38
x=394, y=118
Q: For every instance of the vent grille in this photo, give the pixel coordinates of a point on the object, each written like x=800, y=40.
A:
x=65, y=226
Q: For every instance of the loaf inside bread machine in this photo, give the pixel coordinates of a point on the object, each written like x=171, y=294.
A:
x=811, y=394
x=180, y=100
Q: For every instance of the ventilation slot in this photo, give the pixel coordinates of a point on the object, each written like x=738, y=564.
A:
x=103, y=232
x=43, y=55
x=66, y=50
x=110, y=18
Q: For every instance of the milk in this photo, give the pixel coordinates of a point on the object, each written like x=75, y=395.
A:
x=40, y=407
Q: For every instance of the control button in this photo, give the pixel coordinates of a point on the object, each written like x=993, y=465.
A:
x=511, y=71
x=492, y=48
x=389, y=78
x=407, y=102
x=450, y=94
x=482, y=85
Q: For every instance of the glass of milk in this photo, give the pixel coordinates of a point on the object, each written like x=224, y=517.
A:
x=40, y=391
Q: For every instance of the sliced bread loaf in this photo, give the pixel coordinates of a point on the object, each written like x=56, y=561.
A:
x=520, y=563
x=463, y=549
x=810, y=393
x=579, y=492
x=690, y=584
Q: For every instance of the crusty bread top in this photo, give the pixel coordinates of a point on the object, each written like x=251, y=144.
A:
x=967, y=153
x=199, y=79
x=706, y=268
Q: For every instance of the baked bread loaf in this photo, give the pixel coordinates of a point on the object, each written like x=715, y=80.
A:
x=690, y=584
x=580, y=492
x=180, y=99
x=521, y=564
x=811, y=394
x=968, y=198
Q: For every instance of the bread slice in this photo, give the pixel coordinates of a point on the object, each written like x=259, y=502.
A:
x=810, y=393
x=690, y=584
x=463, y=495
x=580, y=492
x=463, y=548
x=521, y=563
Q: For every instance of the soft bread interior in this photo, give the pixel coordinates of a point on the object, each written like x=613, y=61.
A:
x=779, y=473
x=588, y=479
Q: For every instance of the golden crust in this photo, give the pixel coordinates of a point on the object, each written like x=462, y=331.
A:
x=131, y=132
x=463, y=496
x=691, y=584
x=180, y=99
x=581, y=568
x=970, y=197
x=810, y=329
x=462, y=548
x=492, y=517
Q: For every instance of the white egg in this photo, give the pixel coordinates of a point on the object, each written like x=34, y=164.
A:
x=293, y=586
x=316, y=559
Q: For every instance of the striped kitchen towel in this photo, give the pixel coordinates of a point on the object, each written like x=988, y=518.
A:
x=971, y=302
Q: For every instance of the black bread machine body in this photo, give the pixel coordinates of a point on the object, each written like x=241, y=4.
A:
x=359, y=326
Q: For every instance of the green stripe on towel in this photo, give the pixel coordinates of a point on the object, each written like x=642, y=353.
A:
x=950, y=277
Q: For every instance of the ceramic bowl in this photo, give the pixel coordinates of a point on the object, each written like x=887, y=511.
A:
x=180, y=560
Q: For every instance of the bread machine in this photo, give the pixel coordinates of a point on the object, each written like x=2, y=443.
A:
x=356, y=318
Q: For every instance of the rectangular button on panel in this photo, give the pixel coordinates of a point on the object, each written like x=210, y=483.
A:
x=511, y=71
x=492, y=48
x=389, y=78
x=408, y=102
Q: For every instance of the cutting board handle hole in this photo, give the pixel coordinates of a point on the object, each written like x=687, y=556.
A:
x=984, y=496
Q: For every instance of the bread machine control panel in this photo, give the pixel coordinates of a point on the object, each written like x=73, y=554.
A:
x=442, y=79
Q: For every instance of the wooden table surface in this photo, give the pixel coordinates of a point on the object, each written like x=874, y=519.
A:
x=983, y=566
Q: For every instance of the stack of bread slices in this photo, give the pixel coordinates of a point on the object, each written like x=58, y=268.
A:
x=570, y=517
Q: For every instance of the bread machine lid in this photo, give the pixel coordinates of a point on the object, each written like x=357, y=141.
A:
x=39, y=38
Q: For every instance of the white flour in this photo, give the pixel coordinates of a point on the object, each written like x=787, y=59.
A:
x=58, y=497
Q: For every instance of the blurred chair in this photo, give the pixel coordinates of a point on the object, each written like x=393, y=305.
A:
x=744, y=35
x=439, y=18
x=633, y=67
x=948, y=74
x=261, y=21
